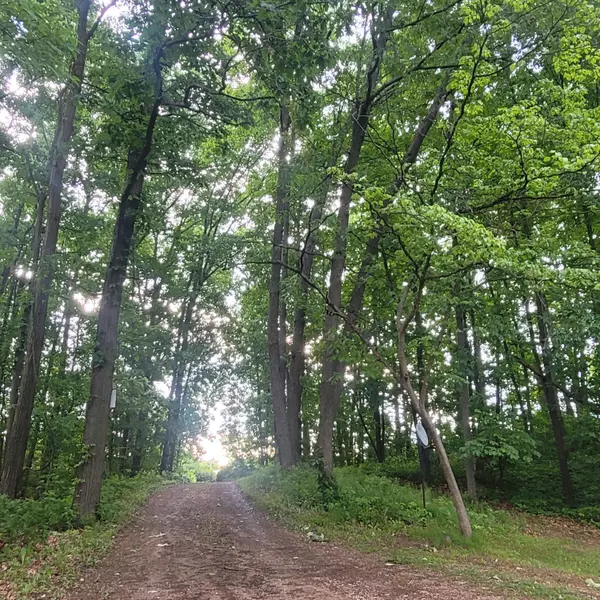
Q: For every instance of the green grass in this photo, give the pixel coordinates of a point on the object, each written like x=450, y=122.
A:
x=37, y=559
x=375, y=514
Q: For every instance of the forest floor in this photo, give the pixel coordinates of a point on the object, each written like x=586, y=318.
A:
x=206, y=541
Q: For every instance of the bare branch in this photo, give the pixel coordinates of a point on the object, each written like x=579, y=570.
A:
x=96, y=24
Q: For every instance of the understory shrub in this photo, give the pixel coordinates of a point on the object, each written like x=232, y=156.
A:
x=41, y=552
x=120, y=495
x=361, y=497
x=373, y=500
x=25, y=519
x=369, y=501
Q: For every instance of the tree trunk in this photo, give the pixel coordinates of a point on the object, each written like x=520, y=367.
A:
x=332, y=369
x=551, y=398
x=169, y=447
x=19, y=353
x=418, y=403
x=17, y=370
x=52, y=440
x=463, y=353
x=498, y=384
x=478, y=370
x=305, y=438
x=528, y=399
x=275, y=327
x=138, y=446
x=15, y=228
x=32, y=445
x=16, y=444
x=124, y=451
x=459, y=505
x=89, y=474
x=515, y=382
x=298, y=352
x=170, y=443
x=11, y=310
x=137, y=453
x=398, y=441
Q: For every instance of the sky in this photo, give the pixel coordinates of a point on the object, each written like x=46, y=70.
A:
x=214, y=450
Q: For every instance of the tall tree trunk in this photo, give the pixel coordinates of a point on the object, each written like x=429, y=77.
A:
x=298, y=350
x=16, y=444
x=182, y=363
x=434, y=436
x=277, y=371
x=551, y=398
x=332, y=370
x=170, y=439
x=528, y=398
x=89, y=473
x=10, y=314
x=15, y=228
x=31, y=448
x=478, y=370
x=418, y=403
x=424, y=454
x=52, y=441
x=42, y=396
x=463, y=355
x=138, y=446
x=305, y=437
x=515, y=382
x=19, y=353
x=124, y=450
x=137, y=453
x=398, y=442
x=498, y=383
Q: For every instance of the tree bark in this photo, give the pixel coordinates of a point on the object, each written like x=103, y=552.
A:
x=16, y=444
x=89, y=473
x=11, y=309
x=305, y=438
x=551, y=398
x=298, y=353
x=19, y=353
x=418, y=402
x=337, y=367
x=332, y=370
x=277, y=371
x=138, y=446
x=137, y=453
x=169, y=447
x=478, y=371
x=463, y=354
x=15, y=228
x=398, y=442
x=124, y=450
x=459, y=505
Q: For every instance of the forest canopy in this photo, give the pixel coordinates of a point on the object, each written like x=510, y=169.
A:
x=330, y=220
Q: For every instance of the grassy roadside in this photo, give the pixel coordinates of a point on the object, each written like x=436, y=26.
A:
x=526, y=556
x=36, y=561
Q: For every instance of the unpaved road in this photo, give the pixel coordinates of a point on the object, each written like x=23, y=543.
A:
x=206, y=542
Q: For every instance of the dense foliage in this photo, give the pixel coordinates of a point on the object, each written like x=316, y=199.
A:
x=333, y=220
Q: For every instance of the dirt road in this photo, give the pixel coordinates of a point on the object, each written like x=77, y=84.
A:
x=206, y=542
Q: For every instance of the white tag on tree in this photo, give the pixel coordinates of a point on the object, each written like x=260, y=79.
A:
x=113, y=399
x=422, y=434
